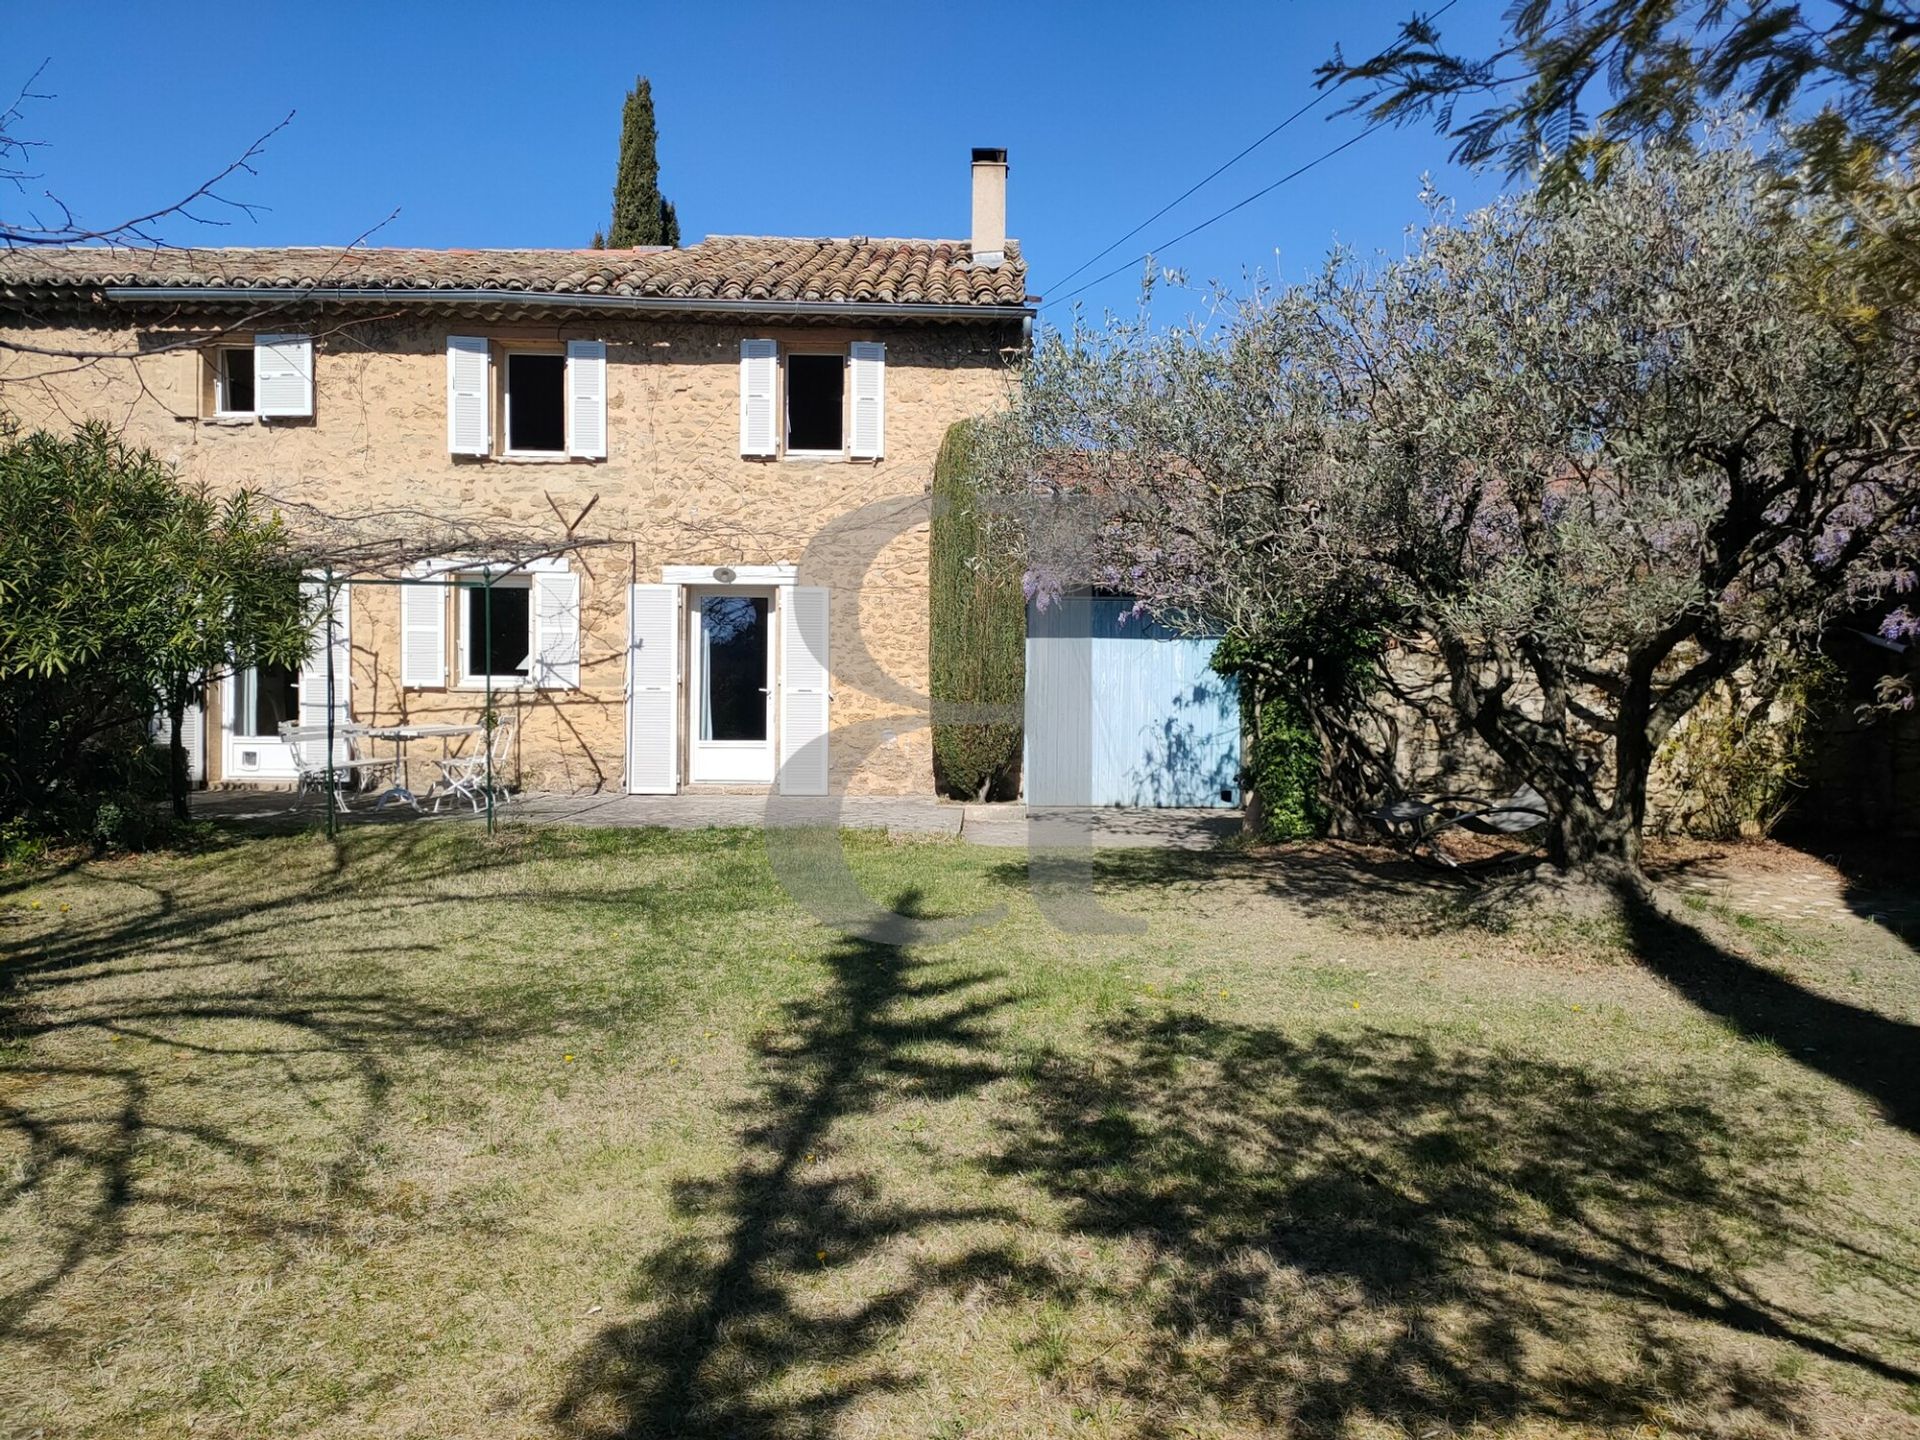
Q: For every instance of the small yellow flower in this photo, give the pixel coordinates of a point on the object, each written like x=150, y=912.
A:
x=1576, y=1007
x=34, y=906
x=567, y=1058
x=1356, y=1004
x=1223, y=994
x=821, y=1256
x=65, y=907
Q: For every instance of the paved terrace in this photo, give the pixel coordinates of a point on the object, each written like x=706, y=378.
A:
x=999, y=825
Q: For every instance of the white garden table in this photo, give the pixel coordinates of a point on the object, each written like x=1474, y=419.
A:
x=401, y=792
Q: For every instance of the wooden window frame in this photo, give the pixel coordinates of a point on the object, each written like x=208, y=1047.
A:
x=844, y=352
x=214, y=397
x=465, y=678
x=503, y=353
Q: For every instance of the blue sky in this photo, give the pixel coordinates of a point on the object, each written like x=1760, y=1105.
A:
x=497, y=125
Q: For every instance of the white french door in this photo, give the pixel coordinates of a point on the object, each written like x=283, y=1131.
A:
x=256, y=702
x=730, y=686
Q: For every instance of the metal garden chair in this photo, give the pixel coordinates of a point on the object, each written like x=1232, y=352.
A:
x=308, y=743
x=465, y=776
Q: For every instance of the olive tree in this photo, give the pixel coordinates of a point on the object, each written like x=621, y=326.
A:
x=1593, y=446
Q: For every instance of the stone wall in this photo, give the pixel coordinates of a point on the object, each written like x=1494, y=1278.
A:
x=672, y=490
x=1414, y=722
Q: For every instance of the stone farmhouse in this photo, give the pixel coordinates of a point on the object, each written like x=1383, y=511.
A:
x=745, y=427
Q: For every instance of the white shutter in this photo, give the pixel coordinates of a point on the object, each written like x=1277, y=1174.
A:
x=193, y=736
x=469, y=366
x=653, y=689
x=193, y=729
x=313, y=673
x=869, y=366
x=759, y=374
x=423, y=634
x=283, y=375
x=587, y=399
x=556, y=630
x=803, y=690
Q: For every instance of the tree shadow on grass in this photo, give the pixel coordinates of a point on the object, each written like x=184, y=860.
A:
x=1367, y=1227
x=1376, y=891
x=159, y=1054
x=1874, y=1054
x=763, y=1320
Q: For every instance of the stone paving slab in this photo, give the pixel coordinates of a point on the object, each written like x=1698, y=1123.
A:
x=1004, y=826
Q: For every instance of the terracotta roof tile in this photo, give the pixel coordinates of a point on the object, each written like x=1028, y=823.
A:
x=722, y=267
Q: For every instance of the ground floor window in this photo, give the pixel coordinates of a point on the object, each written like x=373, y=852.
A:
x=502, y=652
x=265, y=698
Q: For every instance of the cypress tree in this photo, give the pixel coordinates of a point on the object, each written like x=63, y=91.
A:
x=641, y=215
x=978, y=641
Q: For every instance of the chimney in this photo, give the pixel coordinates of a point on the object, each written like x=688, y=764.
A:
x=989, y=208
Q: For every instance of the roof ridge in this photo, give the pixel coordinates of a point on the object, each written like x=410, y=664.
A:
x=828, y=271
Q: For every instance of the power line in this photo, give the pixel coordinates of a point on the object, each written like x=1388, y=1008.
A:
x=1293, y=174
x=1094, y=259
x=1209, y=178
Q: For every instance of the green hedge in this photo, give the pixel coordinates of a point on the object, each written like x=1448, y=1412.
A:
x=979, y=634
x=1284, y=771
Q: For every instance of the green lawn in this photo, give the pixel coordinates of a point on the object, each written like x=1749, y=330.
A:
x=590, y=1133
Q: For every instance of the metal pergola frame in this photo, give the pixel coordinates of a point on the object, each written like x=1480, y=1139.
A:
x=351, y=551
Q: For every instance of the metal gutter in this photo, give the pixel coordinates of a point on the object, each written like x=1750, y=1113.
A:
x=657, y=304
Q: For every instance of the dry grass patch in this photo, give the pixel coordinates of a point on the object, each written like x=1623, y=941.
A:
x=586, y=1134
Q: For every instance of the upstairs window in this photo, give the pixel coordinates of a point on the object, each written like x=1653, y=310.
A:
x=536, y=403
x=233, y=380
x=525, y=402
x=813, y=405
x=270, y=378
x=816, y=404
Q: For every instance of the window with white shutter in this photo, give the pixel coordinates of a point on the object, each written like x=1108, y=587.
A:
x=868, y=363
x=469, y=372
x=587, y=399
x=233, y=381
x=759, y=375
x=816, y=407
x=283, y=376
x=496, y=630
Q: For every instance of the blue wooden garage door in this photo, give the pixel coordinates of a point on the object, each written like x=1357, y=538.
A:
x=1121, y=711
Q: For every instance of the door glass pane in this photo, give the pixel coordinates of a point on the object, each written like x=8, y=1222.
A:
x=265, y=698
x=733, y=670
